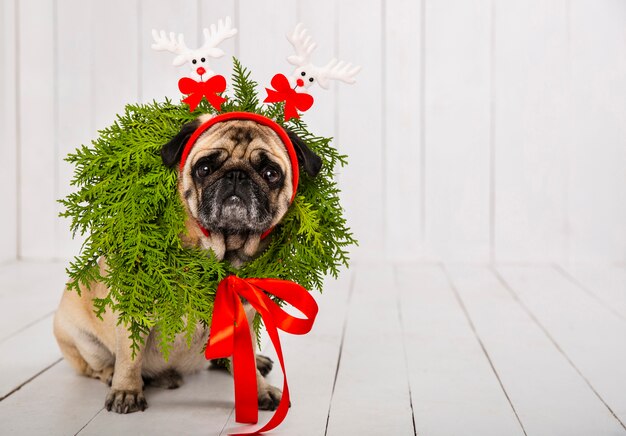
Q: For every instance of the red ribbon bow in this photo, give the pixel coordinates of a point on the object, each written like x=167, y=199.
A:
x=294, y=101
x=209, y=89
x=230, y=335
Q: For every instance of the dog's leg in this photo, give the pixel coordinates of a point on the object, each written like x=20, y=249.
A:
x=269, y=396
x=126, y=394
x=82, y=350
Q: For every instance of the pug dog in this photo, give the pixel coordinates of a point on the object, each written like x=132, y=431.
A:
x=235, y=184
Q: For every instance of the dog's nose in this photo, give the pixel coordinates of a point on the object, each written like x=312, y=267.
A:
x=300, y=82
x=200, y=71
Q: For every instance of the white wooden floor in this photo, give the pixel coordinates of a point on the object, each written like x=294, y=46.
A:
x=396, y=350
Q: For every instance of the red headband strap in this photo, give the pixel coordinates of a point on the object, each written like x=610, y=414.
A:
x=260, y=119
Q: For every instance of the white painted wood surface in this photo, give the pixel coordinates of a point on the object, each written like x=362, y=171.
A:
x=8, y=131
x=397, y=349
x=456, y=93
x=453, y=387
x=591, y=336
x=528, y=362
x=477, y=131
x=371, y=395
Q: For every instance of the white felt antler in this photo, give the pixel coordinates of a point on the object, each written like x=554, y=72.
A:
x=337, y=70
x=303, y=44
x=172, y=44
x=306, y=73
x=197, y=59
x=217, y=34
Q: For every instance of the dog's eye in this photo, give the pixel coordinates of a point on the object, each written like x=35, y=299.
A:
x=303, y=73
x=270, y=175
x=203, y=59
x=310, y=79
x=194, y=61
x=203, y=170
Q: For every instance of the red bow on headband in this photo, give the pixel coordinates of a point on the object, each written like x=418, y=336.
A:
x=209, y=89
x=294, y=101
x=230, y=336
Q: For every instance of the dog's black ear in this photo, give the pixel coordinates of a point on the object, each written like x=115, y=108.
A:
x=311, y=162
x=172, y=151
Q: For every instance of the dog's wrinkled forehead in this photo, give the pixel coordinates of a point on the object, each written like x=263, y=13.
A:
x=240, y=140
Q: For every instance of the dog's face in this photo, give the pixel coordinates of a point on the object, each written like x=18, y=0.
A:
x=237, y=178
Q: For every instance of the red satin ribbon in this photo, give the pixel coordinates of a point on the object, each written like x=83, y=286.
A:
x=230, y=335
x=209, y=89
x=294, y=101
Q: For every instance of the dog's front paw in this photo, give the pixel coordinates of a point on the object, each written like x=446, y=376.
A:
x=264, y=364
x=269, y=397
x=125, y=401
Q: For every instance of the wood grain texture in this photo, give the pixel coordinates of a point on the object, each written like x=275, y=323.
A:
x=591, y=336
x=597, y=174
x=477, y=131
x=403, y=82
x=453, y=387
x=605, y=283
x=158, y=77
x=28, y=293
x=37, y=132
x=8, y=131
x=320, y=17
x=27, y=361
x=527, y=362
x=359, y=129
x=457, y=135
x=74, y=104
x=531, y=134
x=371, y=396
x=263, y=46
x=115, y=58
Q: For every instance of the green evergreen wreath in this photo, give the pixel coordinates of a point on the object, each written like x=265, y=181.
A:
x=128, y=207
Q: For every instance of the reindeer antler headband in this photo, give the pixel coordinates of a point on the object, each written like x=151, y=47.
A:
x=292, y=91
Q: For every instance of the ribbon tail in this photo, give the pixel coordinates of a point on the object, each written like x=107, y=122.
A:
x=193, y=100
x=290, y=111
x=215, y=100
x=244, y=370
x=283, y=406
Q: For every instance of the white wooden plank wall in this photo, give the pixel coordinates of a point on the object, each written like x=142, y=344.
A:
x=8, y=131
x=478, y=131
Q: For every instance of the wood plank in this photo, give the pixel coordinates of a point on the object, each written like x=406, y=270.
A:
x=548, y=394
x=159, y=78
x=115, y=58
x=263, y=46
x=371, y=395
x=403, y=82
x=8, y=130
x=63, y=403
x=606, y=283
x=454, y=389
x=28, y=292
x=531, y=130
x=74, y=105
x=311, y=362
x=320, y=17
x=26, y=354
x=457, y=93
x=209, y=11
x=200, y=406
x=597, y=156
x=591, y=336
x=37, y=152
x=359, y=131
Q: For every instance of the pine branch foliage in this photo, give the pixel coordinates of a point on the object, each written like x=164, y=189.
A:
x=126, y=204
